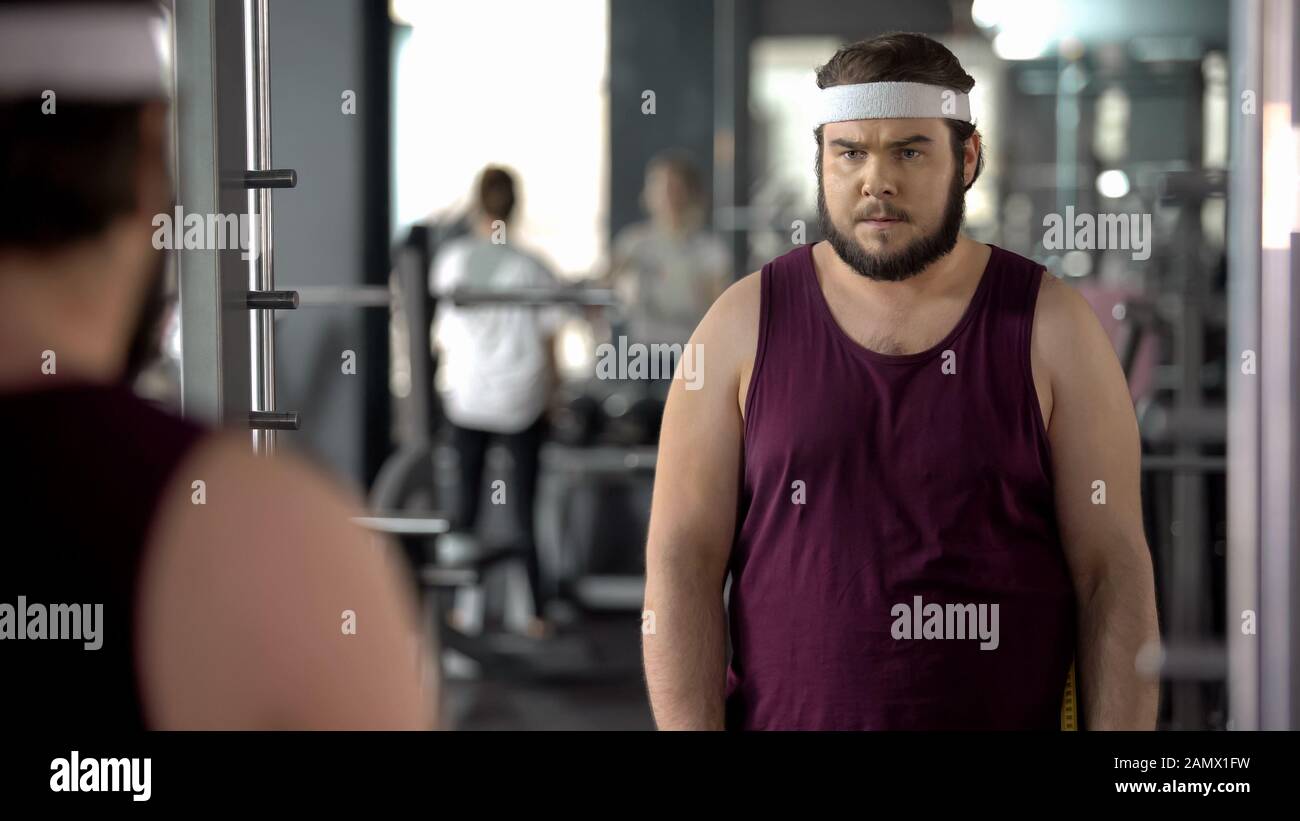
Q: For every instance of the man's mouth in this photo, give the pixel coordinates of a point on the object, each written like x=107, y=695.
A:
x=881, y=222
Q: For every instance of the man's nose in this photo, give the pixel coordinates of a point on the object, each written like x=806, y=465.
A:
x=877, y=181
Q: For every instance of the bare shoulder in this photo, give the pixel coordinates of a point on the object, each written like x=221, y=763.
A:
x=251, y=562
x=239, y=480
x=1066, y=332
x=1076, y=371
x=1056, y=299
x=736, y=310
x=239, y=512
x=728, y=334
x=266, y=510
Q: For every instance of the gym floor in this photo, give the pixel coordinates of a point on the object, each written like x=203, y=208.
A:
x=616, y=701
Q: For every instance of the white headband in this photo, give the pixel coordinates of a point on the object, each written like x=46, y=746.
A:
x=81, y=52
x=884, y=101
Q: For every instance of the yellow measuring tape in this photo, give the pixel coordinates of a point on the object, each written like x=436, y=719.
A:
x=1070, y=703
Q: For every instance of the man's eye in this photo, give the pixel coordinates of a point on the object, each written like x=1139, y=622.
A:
x=854, y=154
x=912, y=151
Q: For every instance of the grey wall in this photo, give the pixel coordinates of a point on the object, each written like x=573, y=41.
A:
x=316, y=53
x=666, y=46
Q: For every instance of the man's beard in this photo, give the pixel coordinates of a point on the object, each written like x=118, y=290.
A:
x=912, y=259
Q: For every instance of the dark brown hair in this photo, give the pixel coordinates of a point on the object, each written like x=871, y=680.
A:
x=65, y=176
x=902, y=57
x=496, y=193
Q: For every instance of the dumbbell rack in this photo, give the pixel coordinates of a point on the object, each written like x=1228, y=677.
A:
x=222, y=121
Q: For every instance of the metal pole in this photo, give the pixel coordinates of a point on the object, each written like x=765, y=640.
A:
x=1278, y=373
x=1188, y=618
x=198, y=191
x=261, y=271
x=1243, y=388
x=211, y=156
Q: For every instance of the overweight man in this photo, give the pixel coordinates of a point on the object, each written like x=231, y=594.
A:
x=914, y=456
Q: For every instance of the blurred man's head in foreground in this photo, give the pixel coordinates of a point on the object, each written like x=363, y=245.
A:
x=83, y=148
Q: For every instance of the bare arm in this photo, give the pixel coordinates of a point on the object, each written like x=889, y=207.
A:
x=692, y=520
x=1096, y=456
x=266, y=608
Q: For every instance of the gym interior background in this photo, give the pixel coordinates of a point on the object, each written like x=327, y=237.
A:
x=1181, y=111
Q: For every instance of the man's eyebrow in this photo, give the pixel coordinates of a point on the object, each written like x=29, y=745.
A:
x=854, y=145
x=915, y=138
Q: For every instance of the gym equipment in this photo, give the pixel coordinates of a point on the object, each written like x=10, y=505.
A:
x=1184, y=433
x=446, y=563
x=632, y=416
x=1070, y=703
x=404, y=497
x=620, y=424
x=261, y=179
x=602, y=495
x=438, y=579
x=1181, y=416
x=576, y=418
x=222, y=72
x=626, y=413
x=648, y=411
x=535, y=297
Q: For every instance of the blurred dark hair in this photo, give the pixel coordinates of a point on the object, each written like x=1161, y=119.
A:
x=496, y=193
x=65, y=176
x=902, y=57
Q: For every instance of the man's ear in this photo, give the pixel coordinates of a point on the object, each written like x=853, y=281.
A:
x=970, y=159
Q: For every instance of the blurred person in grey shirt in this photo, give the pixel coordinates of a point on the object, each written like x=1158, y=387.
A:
x=669, y=269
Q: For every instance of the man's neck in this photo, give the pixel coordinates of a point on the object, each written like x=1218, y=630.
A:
x=56, y=326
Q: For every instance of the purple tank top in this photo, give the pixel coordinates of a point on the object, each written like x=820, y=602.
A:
x=888, y=504
x=87, y=468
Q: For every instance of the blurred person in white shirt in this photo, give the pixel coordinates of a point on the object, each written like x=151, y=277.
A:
x=496, y=365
